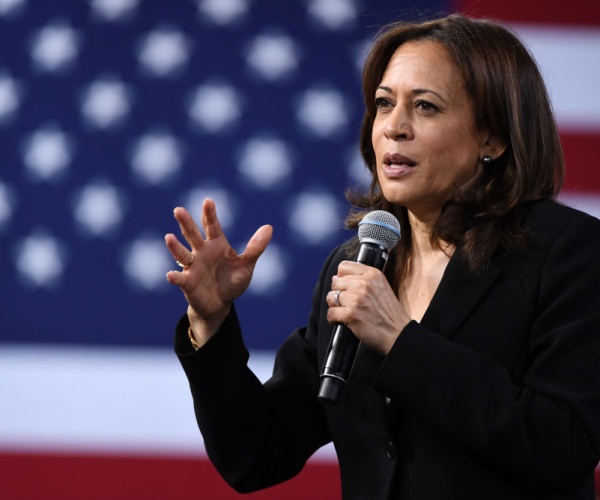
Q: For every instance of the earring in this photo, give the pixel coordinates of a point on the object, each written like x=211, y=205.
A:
x=486, y=160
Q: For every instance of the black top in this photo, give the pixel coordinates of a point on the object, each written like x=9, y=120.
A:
x=495, y=394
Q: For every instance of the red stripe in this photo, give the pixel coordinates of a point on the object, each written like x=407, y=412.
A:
x=70, y=477
x=579, y=12
x=582, y=152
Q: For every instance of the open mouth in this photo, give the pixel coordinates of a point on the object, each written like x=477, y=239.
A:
x=397, y=161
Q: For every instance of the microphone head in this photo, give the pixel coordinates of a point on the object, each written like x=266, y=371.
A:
x=380, y=227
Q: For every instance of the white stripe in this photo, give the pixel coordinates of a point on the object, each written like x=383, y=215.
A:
x=570, y=62
x=586, y=202
x=102, y=400
x=109, y=400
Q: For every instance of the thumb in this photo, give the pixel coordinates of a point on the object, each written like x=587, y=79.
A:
x=257, y=244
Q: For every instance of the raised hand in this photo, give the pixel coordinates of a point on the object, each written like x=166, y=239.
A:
x=213, y=274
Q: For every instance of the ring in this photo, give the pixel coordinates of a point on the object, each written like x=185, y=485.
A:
x=336, y=299
x=185, y=266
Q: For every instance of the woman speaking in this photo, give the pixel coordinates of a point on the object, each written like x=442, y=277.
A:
x=478, y=372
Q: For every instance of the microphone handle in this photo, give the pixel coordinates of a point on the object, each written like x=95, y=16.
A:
x=343, y=345
x=338, y=363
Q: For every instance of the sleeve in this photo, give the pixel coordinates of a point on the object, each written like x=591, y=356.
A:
x=256, y=435
x=544, y=430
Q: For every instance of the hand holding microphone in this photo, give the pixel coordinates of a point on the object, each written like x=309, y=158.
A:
x=378, y=233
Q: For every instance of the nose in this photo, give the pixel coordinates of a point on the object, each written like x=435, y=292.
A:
x=398, y=126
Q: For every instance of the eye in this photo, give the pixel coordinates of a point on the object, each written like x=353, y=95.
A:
x=426, y=106
x=382, y=102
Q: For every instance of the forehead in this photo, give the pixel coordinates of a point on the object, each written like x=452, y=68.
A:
x=424, y=60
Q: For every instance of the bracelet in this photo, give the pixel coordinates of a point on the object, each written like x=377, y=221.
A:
x=195, y=344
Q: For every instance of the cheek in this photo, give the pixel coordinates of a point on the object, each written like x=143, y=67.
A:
x=376, y=141
x=456, y=153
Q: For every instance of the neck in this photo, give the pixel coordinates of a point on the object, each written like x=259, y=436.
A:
x=421, y=230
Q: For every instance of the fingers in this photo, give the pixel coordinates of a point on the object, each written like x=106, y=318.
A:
x=353, y=280
x=350, y=267
x=257, y=244
x=210, y=222
x=341, y=306
x=179, y=252
x=334, y=298
x=189, y=229
x=176, y=278
x=182, y=255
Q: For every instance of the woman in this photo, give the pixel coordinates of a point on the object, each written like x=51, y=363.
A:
x=478, y=375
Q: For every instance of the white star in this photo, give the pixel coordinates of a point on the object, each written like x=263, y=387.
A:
x=265, y=162
x=146, y=261
x=54, y=47
x=47, y=154
x=113, y=10
x=7, y=202
x=163, y=52
x=223, y=12
x=11, y=7
x=323, y=112
x=315, y=217
x=270, y=271
x=98, y=208
x=225, y=202
x=10, y=91
x=215, y=107
x=40, y=260
x=360, y=51
x=105, y=103
x=272, y=56
x=156, y=157
x=357, y=170
x=333, y=14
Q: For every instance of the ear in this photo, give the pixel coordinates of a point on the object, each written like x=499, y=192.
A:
x=492, y=146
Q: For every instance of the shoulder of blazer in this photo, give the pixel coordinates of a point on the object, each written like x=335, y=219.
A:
x=553, y=218
x=329, y=268
x=338, y=254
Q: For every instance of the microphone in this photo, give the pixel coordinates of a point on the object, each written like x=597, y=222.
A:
x=378, y=233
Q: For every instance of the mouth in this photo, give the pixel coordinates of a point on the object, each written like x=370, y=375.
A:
x=397, y=161
x=395, y=165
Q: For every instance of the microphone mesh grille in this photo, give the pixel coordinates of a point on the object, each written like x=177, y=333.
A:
x=380, y=226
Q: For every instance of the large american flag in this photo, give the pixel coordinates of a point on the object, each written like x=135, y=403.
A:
x=113, y=112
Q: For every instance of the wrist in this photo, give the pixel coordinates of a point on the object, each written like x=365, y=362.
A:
x=201, y=329
x=193, y=341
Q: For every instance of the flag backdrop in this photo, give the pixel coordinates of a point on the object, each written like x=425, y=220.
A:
x=113, y=112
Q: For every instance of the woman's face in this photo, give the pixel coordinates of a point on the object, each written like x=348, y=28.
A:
x=424, y=133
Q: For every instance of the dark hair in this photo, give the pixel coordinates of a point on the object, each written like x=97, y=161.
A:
x=510, y=102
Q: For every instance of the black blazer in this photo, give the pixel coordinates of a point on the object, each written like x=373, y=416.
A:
x=495, y=394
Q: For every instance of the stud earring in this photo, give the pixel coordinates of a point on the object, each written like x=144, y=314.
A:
x=486, y=160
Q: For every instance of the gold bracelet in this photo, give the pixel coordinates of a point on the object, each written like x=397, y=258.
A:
x=195, y=344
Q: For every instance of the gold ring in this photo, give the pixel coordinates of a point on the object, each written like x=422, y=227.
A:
x=185, y=266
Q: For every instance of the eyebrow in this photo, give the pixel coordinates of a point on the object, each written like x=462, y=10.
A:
x=414, y=92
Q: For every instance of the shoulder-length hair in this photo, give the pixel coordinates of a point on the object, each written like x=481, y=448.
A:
x=511, y=102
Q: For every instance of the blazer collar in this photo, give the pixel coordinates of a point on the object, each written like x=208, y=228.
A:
x=458, y=293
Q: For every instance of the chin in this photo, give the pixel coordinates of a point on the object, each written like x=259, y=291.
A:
x=394, y=197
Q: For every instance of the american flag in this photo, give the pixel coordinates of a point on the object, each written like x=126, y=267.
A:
x=113, y=112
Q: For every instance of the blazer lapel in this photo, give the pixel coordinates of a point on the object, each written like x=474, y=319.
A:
x=458, y=293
